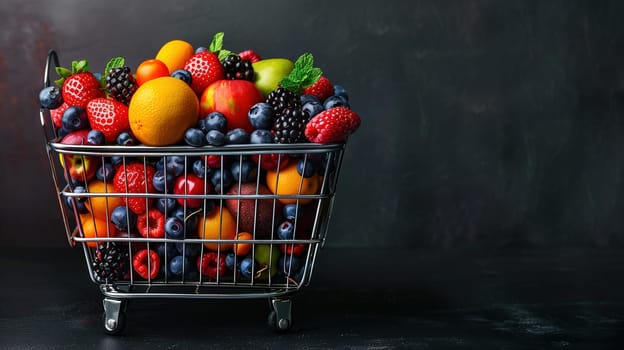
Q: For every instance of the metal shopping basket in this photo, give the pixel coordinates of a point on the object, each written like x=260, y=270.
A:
x=290, y=261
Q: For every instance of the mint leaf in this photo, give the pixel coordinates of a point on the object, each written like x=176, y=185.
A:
x=304, y=74
x=305, y=61
x=63, y=72
x=312, y=77
x=291, y=85
x=217, y=42
x=115, y=62
x=223, y=53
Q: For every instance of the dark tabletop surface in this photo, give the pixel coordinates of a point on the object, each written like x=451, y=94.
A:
x=358, y=299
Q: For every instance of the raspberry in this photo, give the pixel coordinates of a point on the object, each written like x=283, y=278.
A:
x=322, y=89
x=332, y=125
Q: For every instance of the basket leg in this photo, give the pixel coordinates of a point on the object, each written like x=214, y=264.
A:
x=114, y=317
x=280, y=317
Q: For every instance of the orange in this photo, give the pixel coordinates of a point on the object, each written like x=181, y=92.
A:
x=174, y=54
x=290, y=183
x=219, y=224
x=94, y=227
x=241, y=249
x=161, y=110
x=150, y=69
x=102, y=206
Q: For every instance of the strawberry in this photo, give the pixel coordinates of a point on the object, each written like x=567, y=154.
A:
x=205, y=69
x=250, y=55
x=108, y=116
x=78, y=85
x=332, y=125
x=322, y=88
x=135, y=178
x=57, y=115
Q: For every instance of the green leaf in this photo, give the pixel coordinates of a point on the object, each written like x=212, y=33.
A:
x=217, y=42
x=223, y=53
x=305, y=61
x=304, y=74
x=291, y=85
x=115, y=62
x=82, y=66
x=62, y=72
x=312, y=77
x=59, y=82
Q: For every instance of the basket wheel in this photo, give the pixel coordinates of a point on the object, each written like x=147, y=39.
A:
x=114, y=316
x=280, y=318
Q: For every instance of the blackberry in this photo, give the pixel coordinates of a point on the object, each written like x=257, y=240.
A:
x=110, y=263
x=290, y=119
x=121, y=84
x=289, y=126
x=237, y=68
x=282, y=99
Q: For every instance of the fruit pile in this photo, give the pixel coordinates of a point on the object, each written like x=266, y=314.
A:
x=206, y=97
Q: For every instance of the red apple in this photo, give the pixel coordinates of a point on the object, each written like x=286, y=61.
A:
x=79, y=167
x=233, y=98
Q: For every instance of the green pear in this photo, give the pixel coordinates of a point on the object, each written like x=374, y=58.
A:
x=269, y=72
x=266, y=256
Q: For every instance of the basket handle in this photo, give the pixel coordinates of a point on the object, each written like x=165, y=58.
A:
x=52, y=56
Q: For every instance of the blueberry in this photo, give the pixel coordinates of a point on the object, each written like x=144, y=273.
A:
x=117, y=161
x=214, y=121
x=122, y=218
x=174, y=228
x=162, y=184
x=62, y=132
x=166, y=251
x=237, y=136
x=286, y=230
x=189, y=249
x=335, y=101
x=178, y=264
x=339, y=90
x=200, y=169
x=125, y=138
x=293, y=211
x=230, y=258
x=305, y=98
x=166, y=205
x=183, y=75
x=191, y=221
x=261, y=115
x=194, y=137
x=174, y=165
x=106, y=172
x=215, y=138
x=222, y=180
x=50, y=97
x=261, y=136
x=95, y=137
x=80, y=202
x=312, y=108
x=245, y=171
x=289, y=265
x=247, y=267
x=305, y=168
x=75, y=118
x=201, y=49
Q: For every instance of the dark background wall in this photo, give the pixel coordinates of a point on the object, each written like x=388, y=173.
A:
x=485, y=123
